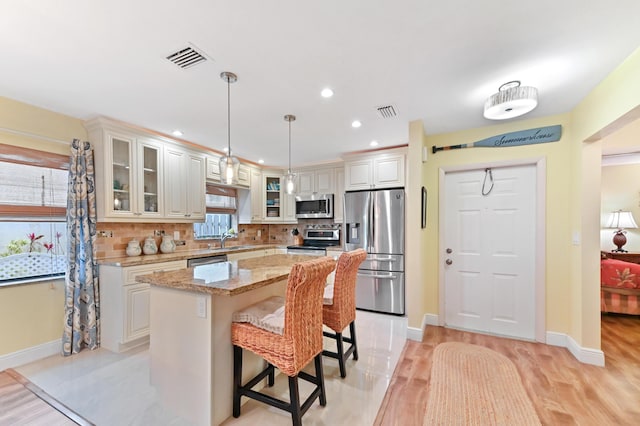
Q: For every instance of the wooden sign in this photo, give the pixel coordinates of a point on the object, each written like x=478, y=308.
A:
x=522, y=137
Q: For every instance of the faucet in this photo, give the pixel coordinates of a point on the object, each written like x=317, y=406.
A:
x=224, y=237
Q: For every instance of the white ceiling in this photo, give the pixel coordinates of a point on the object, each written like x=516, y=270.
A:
x=436, y=61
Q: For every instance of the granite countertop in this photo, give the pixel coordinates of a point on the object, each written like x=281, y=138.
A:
x=228, y=278
x=146, y=259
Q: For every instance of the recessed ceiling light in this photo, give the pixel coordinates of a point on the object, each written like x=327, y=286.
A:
x=356, y=123
x=326, y=93
x=261, y=161
x=225, y=149
x=374, y=143
x=177, y=133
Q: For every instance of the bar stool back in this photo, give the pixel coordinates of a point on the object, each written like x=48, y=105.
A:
x=287, y=337
x=339, y=308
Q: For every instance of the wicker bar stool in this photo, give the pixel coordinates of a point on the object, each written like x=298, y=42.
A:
x=339, y=307
x=287, y=333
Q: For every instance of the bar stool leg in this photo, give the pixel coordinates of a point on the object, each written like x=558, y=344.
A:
x=237, y=379
x=320, y=378
x=343, y=371
x=271, y=378
x=294, y=397
x=352, y=330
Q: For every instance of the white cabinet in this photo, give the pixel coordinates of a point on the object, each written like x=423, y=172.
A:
x=380, y=171
x=272, y=198
x=338, y=197
x=184, y=184
x=244, y=176
x=141, y=177
x=320, y=181
x=129, y=177
x=278, y=206
x=124, y=304
x=250, y=202
x=213, y=168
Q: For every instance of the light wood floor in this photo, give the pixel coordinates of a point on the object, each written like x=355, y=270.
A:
x=563, y=390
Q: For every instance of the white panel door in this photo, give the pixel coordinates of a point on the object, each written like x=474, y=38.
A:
x=490, y=281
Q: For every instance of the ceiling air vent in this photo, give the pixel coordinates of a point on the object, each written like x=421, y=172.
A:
x=187, y=57
x=387, y=111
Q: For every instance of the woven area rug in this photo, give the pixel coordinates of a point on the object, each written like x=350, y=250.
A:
x=24, y=403
x=473, y=385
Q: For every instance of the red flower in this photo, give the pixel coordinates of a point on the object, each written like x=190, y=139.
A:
x=48, y=246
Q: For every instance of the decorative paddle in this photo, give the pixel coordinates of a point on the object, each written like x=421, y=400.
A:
x=522, y=137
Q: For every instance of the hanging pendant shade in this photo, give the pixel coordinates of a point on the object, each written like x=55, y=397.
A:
x=290, y=178
x=229, y=164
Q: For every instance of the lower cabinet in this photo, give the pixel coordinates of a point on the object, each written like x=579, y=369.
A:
x=124, y=304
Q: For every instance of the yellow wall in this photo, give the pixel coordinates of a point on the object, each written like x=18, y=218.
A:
x=573, y=201
x=619, y=191
x=558, y=158
x=32, y=314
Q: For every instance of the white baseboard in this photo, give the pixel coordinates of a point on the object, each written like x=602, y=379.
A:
x=34, y=353
x=416, y=334
x=584, y=355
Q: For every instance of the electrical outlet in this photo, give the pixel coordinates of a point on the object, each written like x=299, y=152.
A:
x=259, y=233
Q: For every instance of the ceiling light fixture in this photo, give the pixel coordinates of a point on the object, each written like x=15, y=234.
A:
x=177, y=133
x=355, y=124
x=261, y=161
x=374, y=143
x=228, y=163
x=289, y=179
x=512, y=100
x=326, y=93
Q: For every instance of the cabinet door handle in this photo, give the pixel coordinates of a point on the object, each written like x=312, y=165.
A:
x=138, y=214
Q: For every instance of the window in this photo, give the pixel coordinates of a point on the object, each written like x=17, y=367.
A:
x=221, y=208
x=33, y=200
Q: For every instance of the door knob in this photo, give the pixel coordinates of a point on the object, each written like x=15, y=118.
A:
x=449, y=251
x=448, y=261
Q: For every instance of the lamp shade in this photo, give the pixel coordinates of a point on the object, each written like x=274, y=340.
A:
x=621, y=220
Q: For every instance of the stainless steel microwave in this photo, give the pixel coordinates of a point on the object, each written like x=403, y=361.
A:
x=314, y=206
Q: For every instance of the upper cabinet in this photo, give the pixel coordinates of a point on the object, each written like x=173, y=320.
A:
x=320, y=181
x=184, y=184
x=137, y=172
x=250, y=201
x=374, y=172
x=278, y=206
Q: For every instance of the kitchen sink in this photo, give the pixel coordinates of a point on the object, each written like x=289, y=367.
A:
x=238, y=247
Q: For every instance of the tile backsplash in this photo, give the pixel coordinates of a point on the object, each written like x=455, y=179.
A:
x=113, y=237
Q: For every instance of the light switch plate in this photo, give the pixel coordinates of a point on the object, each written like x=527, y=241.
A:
x=201, y=307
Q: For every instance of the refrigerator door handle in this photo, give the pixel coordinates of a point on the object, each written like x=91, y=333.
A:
x=382, y=276
x=372, y=220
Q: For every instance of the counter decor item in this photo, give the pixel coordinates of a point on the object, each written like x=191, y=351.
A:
x=133, y=248
x=167, y=245
x=297, y=238
x=150, y=246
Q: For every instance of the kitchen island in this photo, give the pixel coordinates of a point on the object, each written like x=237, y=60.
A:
x=191, y=355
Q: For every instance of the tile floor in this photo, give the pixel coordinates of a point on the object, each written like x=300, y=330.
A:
x=113, y=389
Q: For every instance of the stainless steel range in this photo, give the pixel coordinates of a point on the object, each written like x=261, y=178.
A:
x=316, y=240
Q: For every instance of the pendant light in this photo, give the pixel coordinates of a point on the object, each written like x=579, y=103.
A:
x=289, y=179
x=228, y=163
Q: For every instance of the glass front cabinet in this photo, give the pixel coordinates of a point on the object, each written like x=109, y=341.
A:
x=135, y=174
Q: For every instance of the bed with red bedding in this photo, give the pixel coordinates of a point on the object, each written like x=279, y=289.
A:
x=619, y=287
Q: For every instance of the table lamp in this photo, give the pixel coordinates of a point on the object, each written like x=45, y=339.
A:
x=621, y=220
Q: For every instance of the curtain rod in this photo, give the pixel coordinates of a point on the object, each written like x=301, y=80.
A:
x=33, y=135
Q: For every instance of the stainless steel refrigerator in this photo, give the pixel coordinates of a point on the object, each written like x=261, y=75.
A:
x=374, y=221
